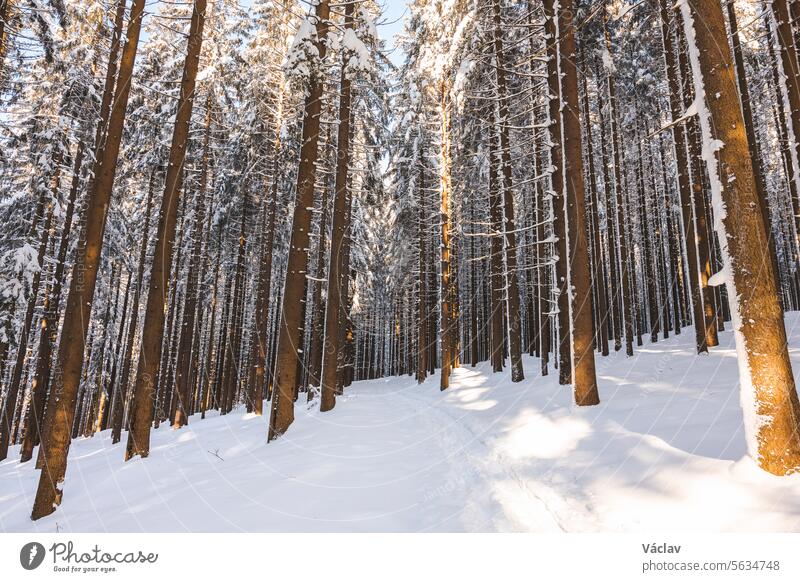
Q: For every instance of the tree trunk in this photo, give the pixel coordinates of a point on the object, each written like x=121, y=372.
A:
x=153, y=332
x=9, y=411
x=509, y=224
x=258, y=354
x=445, y=190
x=82, y=286
x=188, y=335
x=627, y=306
x=496, y=258
x=49, y=325
x=772, y=410
x=118, y=409
x=583, y=369
x=282, y=411
x=423, y=339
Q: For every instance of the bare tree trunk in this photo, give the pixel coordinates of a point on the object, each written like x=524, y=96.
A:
x=317, y=306
x=289, y=339
x=9, y=411
x=187, y=336
x=82, y=286
x=446, y=332
x=153, y=332
x=584, y=379
x=627, y=307
x=258, y=356
x=773, y=421
x=423, y=339
x=49, y=325
x=496, y=258
x=509, y=223
x=120, y=341
x=752, y=139
x=118, y=409
x=335, y=316
x=560, y=289
x=598, y=276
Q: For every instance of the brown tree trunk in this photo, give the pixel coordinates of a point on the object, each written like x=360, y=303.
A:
x=423, y=339
x=289, y=339
x=679, y=137
x=496, y=315
x=119, y=343
x=49, y=324
x=337, y=275
x=699, y=209
x=10, y=408
x=82, y=286
x=791, y=77
x=317, y=306
x=445, y=190
x=584, y=379
x=627, y=306
x=557, y=193
x=773, y=422
x=509, y=224
x=117, y=412
x=188, y=335
x=258, y=356
x=598, y=274
x=752, y=139
x=153, y=332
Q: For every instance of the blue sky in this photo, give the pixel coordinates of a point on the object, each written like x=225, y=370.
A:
x=393, y=16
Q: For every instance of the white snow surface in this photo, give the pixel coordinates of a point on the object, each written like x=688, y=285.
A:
x=663, y=452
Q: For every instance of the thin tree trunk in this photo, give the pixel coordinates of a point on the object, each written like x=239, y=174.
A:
x=496, y=257
x=117, y=413
x=49, y=325
x=9, y=411
x=627, y=306
x=509, y=223
x=188, y=335
x=557, y=184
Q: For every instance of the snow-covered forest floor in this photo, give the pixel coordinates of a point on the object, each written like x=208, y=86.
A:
x=664, y=451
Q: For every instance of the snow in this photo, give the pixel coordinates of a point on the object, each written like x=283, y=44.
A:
x=303, y=50
x=608, y=61
x=360, y=59
x=664, y=451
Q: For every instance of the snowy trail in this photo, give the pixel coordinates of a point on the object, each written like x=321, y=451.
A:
x=663, y=452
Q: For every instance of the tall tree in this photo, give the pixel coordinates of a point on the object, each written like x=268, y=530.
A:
x=153, y=332
x=311, y=37
x=82, y=286
x=769, y=395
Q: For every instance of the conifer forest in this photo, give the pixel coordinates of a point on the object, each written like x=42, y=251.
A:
x=369, y=265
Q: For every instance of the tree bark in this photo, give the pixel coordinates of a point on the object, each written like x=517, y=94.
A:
x=773, y=423
x=82, y=286
x=584, y=379
x=509, y=223
x=153, y=332
x=289, y=339
x=188, y=335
